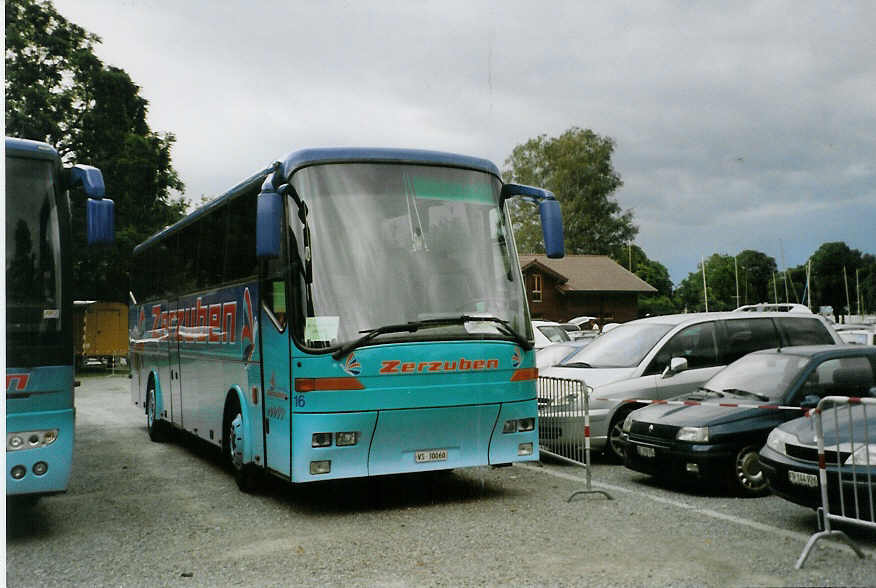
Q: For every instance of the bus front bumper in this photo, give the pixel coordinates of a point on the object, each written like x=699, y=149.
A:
x=411, y=440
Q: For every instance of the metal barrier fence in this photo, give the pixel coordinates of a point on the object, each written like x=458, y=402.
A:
x=564, y=425
x=849, y=474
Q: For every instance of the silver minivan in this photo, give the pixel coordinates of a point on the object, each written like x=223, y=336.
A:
x=665, y=356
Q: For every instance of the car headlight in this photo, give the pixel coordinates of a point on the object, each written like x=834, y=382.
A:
x=862, y=454
x=695, y=434
x=777, y=439
x=628, y=423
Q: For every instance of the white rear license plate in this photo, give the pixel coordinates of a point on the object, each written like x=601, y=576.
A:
x=801, y=479
x=645, y=451
x=430, y=455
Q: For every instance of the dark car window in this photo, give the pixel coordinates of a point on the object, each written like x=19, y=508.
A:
x=697, y=344
x=841, y=376
x=803, y=331
x=742, y=336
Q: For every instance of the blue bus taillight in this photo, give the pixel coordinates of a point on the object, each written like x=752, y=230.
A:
x=313, y=384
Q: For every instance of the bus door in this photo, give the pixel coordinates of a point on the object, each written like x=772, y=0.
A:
x=276, y=375
x=173, y=361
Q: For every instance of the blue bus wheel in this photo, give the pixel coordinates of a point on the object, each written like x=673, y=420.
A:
x=233, y=444
x=153, y=421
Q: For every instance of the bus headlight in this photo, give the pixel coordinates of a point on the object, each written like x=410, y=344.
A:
x=30, y=439
x=346, y=438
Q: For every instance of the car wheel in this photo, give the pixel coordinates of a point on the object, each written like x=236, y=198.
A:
x=154, y=426
x=233, y=443
x=614, y=447
x=748, y=475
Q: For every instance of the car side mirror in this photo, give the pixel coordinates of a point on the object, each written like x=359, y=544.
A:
x=676, y=365
x=810, y=401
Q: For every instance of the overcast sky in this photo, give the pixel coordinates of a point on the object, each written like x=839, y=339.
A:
x=739, y=125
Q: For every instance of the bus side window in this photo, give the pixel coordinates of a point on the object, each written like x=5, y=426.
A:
x=275, y=301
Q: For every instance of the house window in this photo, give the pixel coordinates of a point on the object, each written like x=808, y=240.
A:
x=535, y=287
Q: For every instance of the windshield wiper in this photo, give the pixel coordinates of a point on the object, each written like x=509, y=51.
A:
x=739, y=392
x=576, y=364
x=702, y=393
x=414, y=326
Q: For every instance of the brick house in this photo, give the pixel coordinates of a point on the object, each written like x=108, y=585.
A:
x=581, y=285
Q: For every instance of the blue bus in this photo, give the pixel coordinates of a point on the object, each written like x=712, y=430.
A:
x=344, y=312
x=39, y=337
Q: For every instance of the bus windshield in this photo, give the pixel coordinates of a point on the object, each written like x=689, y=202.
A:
x=395, y=243
x=33, y=256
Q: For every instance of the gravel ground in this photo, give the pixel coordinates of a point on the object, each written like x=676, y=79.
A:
x=144, y=514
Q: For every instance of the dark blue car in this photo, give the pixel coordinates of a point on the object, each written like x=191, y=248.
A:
x=717, y=436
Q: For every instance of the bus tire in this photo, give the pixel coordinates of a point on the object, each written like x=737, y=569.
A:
x=154, y=424
x=233, y=442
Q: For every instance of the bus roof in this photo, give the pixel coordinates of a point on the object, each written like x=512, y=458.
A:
x=321, y=156
x=28, y=148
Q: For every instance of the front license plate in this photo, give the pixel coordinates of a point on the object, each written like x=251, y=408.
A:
x=801, y=479
x=428, y=455
x=645, y=451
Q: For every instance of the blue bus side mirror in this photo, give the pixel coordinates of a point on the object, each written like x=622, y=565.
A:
x=552, y=228
x=89, y=178
x=548, y=209
x=269, y=230
x=99, y=211
x=100, y=221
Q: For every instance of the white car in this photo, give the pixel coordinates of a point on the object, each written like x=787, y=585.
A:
x=547, y=332
x=858, y=336
x=665, y=356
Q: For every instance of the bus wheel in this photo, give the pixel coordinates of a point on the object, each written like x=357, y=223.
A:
x=233, y=443
x=153, y=424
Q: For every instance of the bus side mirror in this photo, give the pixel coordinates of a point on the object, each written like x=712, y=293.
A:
x=548, y=209
x=269, y=230
x=89, y=178
x=100, y=221
x=552, y=228
x=99, y=211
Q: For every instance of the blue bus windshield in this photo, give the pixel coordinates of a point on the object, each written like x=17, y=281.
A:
x=33, y=251
x=397, y=243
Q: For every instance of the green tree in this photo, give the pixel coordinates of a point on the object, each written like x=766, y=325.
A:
x=720, y=281
x=832, y=265
x=756, y=270
x=58, y=91
x=655, y=273
x=577, y=168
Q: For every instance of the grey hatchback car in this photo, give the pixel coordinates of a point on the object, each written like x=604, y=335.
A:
x=662, y=357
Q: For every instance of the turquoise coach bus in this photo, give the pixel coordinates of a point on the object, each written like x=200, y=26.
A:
x=344, y=313
x=39, y=334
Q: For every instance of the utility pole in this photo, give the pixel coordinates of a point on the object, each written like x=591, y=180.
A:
x=705, y=289
x=736, y=272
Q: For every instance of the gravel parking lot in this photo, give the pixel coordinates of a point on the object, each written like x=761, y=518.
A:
x=139, y=513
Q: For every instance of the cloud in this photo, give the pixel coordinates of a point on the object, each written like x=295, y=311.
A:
x=736, y=125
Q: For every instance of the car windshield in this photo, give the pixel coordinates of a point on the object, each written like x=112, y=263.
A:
x=759, y=374
x=624, y=346
x=555, y=334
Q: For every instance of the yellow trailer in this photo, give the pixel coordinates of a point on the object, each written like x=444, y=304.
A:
x=100, y=332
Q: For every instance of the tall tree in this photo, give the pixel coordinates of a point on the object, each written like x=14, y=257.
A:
x=833, y=266
x=577, y=168
x=756, y=271
x=633, y=258
x=58, y=91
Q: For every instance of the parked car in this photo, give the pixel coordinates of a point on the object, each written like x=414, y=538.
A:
x=584, y=322
x=713, y=439
x=864, y=336
x=789, y=459
x=664, y=356
x=778, y=307
x=547, y=332
x=555, y=353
